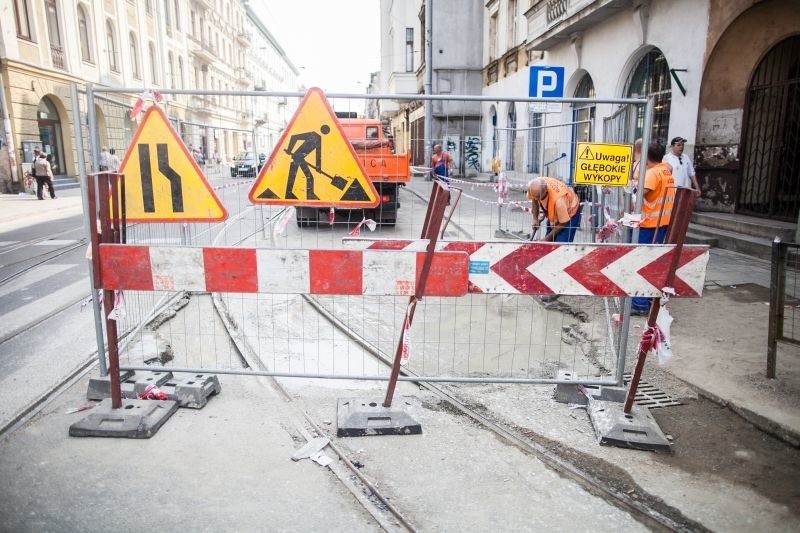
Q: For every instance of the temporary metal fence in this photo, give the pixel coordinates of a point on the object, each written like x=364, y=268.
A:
x=784, y=318
x=476, y=338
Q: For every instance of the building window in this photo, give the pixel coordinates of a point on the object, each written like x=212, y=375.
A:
x=148, y=6
x=134, y=56
x=111, y=47
x=512, y=24
x=651, y=78
x=167, y=18
x=535, y=143
x=180, y=73
x=54, y=34
x=511, y=135
x=151, y=48
x=22, y=14
x=178, y=15
x=409, y=49
x=493, y=37
x=170, y=71
x=83, y=34
x=583, y=114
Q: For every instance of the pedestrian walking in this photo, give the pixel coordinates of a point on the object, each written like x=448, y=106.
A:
x=441, y=164
x=104, y=159
x=44, y=176
x=113, y=160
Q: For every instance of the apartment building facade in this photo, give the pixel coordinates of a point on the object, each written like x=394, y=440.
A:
x=723, y=74
x=47, y=45
x=456, y=69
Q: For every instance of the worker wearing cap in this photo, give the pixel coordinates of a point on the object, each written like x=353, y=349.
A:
x=682, y=169
x=561, y=207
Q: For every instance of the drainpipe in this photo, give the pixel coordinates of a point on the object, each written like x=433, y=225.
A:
x=9, y=135
x=428, y=87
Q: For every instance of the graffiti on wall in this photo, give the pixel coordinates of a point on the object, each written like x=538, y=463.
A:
x=472, y=153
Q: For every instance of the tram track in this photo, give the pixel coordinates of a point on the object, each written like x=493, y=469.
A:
x=660, y=518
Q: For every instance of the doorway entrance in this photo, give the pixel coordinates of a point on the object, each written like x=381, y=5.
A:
x=770, y=184
x=50, y=135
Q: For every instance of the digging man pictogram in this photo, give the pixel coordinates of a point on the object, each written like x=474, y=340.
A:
x=309, y=142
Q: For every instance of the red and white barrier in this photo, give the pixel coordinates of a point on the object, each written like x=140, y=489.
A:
x=581, y=269
x=280, y=271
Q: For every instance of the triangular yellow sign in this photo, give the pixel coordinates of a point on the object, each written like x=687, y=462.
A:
x=162, y=180
x=586, y=155
x=313, y=163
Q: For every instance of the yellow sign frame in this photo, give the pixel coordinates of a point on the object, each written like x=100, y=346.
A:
x=313, y=163
x=603, y=164
x=182, y=194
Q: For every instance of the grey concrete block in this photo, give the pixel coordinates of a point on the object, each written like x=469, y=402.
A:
x=100, y=387
x=195, y=390
x=637, y=429
x=357, y=417
x=135, y=419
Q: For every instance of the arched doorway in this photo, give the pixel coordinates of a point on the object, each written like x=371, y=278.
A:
x=770, y=184
x=50, y=135
x=650, y=77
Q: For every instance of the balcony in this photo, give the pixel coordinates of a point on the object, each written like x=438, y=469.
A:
x=244, y=38
x=205, y=52
x=551, y=22
x=208, y=4
x=243, y=76
x=201, y=105
x=57, y=57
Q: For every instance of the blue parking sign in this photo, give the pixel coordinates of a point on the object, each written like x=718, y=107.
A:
x=546, y=82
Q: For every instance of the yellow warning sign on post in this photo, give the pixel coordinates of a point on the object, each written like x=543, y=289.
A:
x=313, y=163
x=603, y=164
x=162, y=180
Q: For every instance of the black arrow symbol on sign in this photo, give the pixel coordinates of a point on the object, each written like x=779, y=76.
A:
x=176, y=189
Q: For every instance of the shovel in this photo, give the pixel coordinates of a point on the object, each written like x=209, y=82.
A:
x=337, y=181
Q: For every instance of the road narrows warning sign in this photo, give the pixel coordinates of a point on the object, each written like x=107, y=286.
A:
x=313, y=163
x=162, y=180
x=603, y=164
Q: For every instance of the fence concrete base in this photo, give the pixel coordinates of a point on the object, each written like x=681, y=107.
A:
x=192, y=391
x=135, y=419
x=358, y=417
x=637, y=430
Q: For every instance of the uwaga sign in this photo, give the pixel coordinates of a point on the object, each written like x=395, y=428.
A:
x=603, y=164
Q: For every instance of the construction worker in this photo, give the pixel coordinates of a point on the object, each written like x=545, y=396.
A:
x=659, y=197
x=561, y=207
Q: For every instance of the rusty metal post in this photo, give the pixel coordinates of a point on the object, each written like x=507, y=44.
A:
x=676, y=234
x=107, y=234
x=430, y=230
x=777, y=295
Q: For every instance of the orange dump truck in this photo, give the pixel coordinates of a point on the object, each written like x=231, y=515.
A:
x=384, y=168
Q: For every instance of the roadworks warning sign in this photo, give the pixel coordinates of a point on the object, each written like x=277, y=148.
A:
x=603, y=164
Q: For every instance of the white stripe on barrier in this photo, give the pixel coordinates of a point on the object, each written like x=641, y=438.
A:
x=177, y=267
x=294, y=261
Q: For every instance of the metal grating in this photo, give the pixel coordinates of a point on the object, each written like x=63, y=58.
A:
x=649, y=396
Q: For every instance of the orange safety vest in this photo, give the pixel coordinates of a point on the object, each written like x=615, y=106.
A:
x=557, y=189
x=662, y=193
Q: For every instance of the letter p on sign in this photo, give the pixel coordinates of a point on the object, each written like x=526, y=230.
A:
x=546, y=82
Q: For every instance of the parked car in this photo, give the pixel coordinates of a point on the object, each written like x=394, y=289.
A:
x=244, y=164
